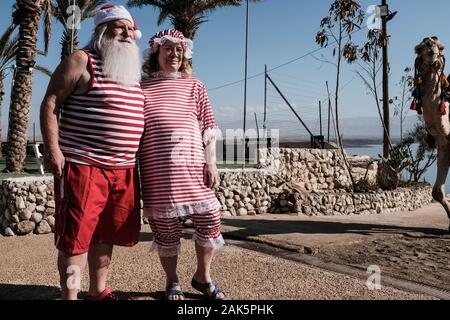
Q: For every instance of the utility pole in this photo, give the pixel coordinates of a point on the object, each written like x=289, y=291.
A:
x=320, y=116
x=245, y=86
x=386, y=115
x=329, y=111
x=265, y=97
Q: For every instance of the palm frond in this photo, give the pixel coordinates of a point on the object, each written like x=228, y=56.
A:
x=90, y=8
x=5, y=38
x=48, y=12
x=43, y=70
x=8, y=49
x=185, y=15
x=141, y=3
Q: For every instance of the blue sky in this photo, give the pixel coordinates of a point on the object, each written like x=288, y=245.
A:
x=280, y=31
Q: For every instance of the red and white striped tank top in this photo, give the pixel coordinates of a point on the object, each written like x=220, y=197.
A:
x=102, y=127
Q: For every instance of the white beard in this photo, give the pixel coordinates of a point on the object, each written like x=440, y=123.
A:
x=121, y=61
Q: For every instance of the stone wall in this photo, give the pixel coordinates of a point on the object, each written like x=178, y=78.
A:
x=345, y=203
x=295, y=181
x=27, y=205
x=315, y=169
x=312, y=182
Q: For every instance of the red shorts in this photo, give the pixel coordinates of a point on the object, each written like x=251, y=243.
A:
x=94, y=206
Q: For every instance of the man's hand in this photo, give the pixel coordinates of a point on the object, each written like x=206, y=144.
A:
x=210, y=175
x=54, y=161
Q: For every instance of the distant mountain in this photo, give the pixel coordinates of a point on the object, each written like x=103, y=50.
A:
x=366, y=128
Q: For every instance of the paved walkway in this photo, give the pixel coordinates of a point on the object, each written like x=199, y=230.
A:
x=308, y=234
x=28, y=264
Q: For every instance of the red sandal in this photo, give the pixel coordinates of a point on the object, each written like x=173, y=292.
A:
x=106, y=294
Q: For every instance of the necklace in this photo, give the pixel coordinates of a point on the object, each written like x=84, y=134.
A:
x=167, y=75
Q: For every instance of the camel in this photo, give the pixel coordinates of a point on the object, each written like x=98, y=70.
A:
x=431, y=83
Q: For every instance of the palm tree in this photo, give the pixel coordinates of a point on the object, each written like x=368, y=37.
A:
x=185, y=15
x=61, y=10
x=27, y=17
x=8, y=51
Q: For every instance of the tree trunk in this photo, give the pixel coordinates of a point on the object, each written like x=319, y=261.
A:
x=66, y=43
x=19, y=110
x=2, y=93
x=336, y=94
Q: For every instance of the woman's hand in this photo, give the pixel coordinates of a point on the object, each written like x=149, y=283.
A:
x=210, y=175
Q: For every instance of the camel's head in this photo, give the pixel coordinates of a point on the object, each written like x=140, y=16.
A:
x=430, y=53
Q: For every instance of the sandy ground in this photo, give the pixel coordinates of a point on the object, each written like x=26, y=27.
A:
x=28, y=271
x=414, y=256
x=412, y=245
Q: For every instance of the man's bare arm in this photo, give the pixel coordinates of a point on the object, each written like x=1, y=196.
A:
x=69, y=77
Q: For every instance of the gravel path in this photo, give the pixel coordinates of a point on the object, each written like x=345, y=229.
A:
x=28, y=271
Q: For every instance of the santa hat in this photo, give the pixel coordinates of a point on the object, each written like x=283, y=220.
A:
x=112, y=12
x=174, y=36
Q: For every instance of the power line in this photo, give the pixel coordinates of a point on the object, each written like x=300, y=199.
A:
x=279, y=66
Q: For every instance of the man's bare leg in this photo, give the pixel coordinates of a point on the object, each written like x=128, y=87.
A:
x=99, y=258
x=70, y=273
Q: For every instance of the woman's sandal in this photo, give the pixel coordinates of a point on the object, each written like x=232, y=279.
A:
x=171, y=291
x=203, y=288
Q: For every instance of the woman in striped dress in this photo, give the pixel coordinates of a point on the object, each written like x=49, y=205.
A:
x=177, y=161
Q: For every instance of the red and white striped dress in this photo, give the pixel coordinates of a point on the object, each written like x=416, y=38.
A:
x=178, y=121
x=102, y=127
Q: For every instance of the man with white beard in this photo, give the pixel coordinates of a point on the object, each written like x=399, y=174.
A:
x=92, y=122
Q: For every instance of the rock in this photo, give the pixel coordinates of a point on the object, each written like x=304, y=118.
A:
x=225, y=192
x=36, y=217
x=40, y=209
x=232, y=211
x=51, y=221
x=242, y=212
x=249, y=207
x=25, y=227
x=40, y=200
x=221, y=198
x=43, y=228
x=49, y=212
x=8, y=232
x=251, y=213
x=226, y=214
x=283, y=203
x=15, y=218
x=229, y=202
x=31, y=207
x=42, y=189
x=51, y=204
x=20, y=203
x=33, y=189
x=25, y=214
x=261, y=210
